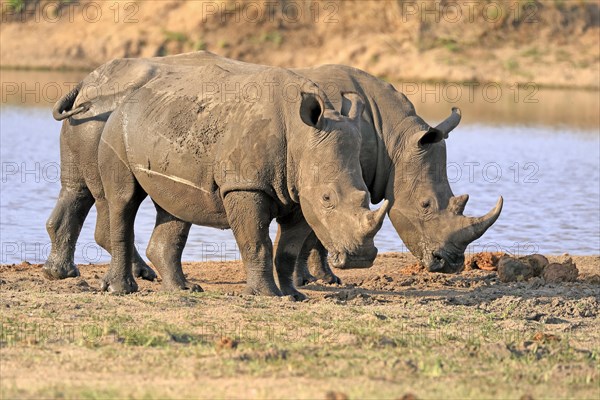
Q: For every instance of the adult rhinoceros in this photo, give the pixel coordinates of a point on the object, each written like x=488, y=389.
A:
x=187, y=148
x=403, y=160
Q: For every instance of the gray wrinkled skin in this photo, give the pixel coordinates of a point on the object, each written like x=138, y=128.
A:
x=213, y=160
x=391, y=135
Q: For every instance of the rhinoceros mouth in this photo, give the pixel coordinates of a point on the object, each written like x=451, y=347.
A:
x=344, y=260
x=444, y=262
x=337, y=259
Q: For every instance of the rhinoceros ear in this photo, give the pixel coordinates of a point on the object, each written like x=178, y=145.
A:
x=311, y=109
x=353, y=105
x=430, y=136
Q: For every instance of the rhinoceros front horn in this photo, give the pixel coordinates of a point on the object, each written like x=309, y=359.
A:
x=374, y=219
x=450, y=123
x=479, y=225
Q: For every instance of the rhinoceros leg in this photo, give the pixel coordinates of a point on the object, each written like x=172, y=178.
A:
x=249, y=215
x=312, y=262
x=291, y=234
x=139, y=267
x=302, y=275
x=124, y=196
x=165, y=248
x=66, y=220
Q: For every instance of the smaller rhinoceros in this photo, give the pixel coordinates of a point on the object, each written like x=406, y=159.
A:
x=210, y=158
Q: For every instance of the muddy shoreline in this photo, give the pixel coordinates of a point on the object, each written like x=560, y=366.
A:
x=399, y=270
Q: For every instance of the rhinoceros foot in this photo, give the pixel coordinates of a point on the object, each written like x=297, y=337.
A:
x=118, y=285
x=324, y=273
x=175, y=286
x=303, y=278
x=56, y=270
x=290, y=291
x=141, y=270
x=262, y=290
x=330, y=278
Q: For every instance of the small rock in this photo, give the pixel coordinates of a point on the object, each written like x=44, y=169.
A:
x=83, y=286
x=511, y=270
x=565, y=272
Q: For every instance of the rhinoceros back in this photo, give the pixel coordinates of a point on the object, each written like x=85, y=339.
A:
x=201, y=132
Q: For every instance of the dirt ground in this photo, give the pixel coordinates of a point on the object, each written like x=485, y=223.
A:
x=391, y=331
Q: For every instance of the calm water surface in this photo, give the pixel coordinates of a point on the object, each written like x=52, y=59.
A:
x=547, y=169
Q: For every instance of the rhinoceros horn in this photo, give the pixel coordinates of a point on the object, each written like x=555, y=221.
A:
x=374, y=219
x=475, y=227
x=449, y=123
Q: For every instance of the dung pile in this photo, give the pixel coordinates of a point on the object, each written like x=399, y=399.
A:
x=565, y=272
x=486, y=261
x=517, y=269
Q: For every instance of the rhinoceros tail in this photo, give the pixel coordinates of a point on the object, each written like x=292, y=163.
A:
x=62, y=108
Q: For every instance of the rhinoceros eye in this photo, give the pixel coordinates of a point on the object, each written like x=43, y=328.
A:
x=425, y=203
x=327, y=201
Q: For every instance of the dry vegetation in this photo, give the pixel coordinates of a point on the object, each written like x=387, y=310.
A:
x=387, y=332
x=552, y=43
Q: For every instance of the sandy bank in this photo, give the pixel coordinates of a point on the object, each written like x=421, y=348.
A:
x=550, y=43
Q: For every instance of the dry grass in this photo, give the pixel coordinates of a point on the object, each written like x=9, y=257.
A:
x=384, y=334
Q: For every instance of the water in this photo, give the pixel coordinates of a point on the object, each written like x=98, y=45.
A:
x=545, y=162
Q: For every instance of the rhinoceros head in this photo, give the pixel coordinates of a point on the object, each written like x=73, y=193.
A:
x=329, y=183
x=424, y=212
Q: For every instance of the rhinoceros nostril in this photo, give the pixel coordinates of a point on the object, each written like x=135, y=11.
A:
x=437, y=262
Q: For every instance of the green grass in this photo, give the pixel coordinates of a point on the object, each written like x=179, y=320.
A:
x=180, y=37
x=271, y=37
x=17, y=5
x=511, y=65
